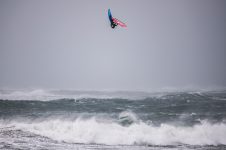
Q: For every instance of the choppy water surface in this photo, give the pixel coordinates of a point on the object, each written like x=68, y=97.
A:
x=112, y=120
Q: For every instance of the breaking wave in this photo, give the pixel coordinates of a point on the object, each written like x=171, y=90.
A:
x=93, y=131
x=113, y=118
x=47, y=95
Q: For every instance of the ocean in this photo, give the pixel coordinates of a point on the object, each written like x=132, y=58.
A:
x=100, y=120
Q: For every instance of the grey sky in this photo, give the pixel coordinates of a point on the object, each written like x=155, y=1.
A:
x=69, y=44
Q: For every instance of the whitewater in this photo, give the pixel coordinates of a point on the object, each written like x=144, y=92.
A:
x=68, y=119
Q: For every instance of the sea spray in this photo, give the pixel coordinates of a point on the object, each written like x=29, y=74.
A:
x=90, y=131
x=112, y=120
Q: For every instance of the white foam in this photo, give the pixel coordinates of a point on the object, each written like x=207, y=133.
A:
x=37, y=94
x=43, y=95
x=110, y=133
x=46, y=95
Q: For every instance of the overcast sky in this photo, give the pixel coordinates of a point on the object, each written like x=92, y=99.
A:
x=69, y=44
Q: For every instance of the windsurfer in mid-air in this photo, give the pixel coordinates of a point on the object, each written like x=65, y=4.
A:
x=113, y=25
x=114, y=22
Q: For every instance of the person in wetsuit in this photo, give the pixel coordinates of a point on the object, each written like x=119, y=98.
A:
x=113, y=25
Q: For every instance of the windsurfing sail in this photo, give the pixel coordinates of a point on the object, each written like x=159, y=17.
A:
x=114, y=22
x=110, y=16
x=119, y=22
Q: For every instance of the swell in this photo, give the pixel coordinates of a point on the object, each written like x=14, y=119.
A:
x=119, y=118
x=184, y=111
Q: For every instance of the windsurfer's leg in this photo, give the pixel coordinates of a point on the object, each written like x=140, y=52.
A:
x=113, y=25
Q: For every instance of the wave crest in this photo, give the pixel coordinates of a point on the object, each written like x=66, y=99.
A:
x=89, y=131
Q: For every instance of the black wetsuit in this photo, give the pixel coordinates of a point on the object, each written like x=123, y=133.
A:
x=113, y=25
